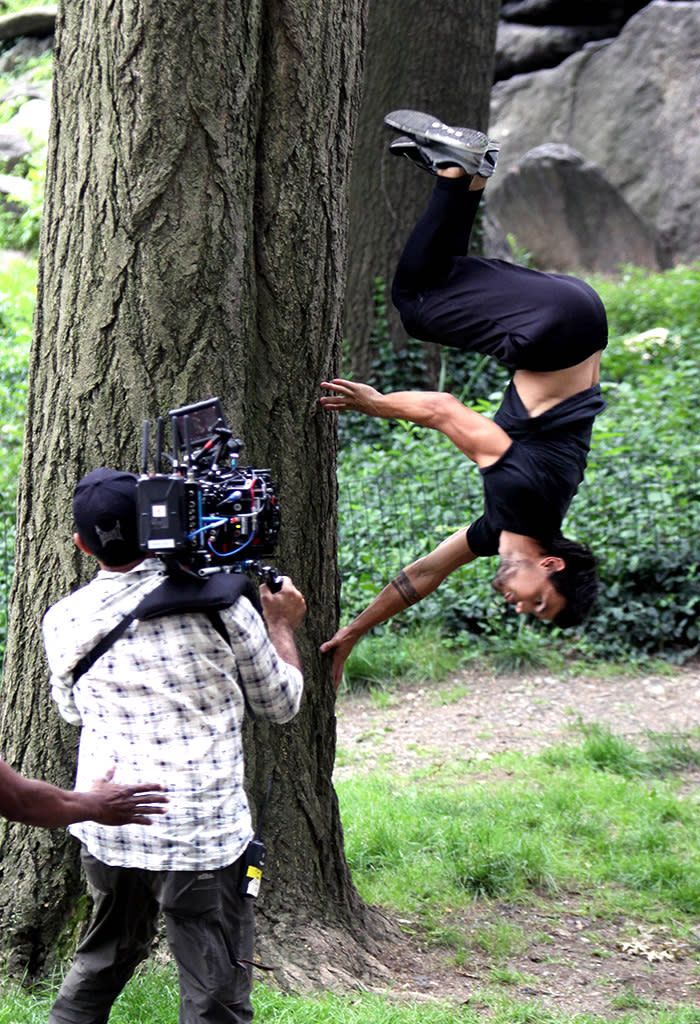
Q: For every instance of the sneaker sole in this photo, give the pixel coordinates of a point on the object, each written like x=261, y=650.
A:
x=426, y=128
x=410, y=122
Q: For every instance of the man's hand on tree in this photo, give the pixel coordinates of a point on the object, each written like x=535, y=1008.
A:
x=340, y=644
x=351, y=396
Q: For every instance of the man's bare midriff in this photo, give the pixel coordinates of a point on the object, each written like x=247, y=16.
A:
x=540, y=391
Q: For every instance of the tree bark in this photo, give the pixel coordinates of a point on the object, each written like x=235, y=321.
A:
x=437, y=57
x=193, y=245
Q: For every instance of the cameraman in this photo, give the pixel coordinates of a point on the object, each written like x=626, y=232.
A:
x=32, y=802
x=168, y=697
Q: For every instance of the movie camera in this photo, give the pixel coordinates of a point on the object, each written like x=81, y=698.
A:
x=208, y=512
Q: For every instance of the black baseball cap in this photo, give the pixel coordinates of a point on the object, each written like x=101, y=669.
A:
x=104, y=510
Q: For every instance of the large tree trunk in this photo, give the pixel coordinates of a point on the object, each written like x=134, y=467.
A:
x=431, y=56
x=193, y=245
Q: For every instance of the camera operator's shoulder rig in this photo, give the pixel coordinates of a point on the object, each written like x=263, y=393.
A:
x=178, y=596
x=182, y=594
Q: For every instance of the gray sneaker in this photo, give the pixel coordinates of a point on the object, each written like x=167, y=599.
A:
x=403, y=146
x=465, y=146
x=430, y=158
x=488, y=164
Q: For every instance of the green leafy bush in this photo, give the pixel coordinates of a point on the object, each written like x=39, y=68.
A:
x=17, y=297
x=21, y=230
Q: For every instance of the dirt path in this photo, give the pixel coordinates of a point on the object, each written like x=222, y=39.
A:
x=575, y=963
x=477, y=715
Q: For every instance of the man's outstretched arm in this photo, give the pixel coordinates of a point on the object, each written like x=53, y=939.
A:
x=478, y=437
x=411, y=585
x=33, y=802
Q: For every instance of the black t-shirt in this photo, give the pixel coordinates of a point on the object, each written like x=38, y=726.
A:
x=529, y=490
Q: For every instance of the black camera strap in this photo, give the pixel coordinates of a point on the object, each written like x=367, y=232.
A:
x=180, y=595
x=220, y=626
x=261, y=817
x=89, y=659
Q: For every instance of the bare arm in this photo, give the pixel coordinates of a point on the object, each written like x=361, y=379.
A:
x=411, y=585
x=33, y=802
x=283, y=612
x=481, y=440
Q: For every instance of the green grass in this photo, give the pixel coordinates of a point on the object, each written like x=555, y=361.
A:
x=663, y=754
x=415, y=655
x=601, y=821
x=603, y=816
x=151, y=998
x=421, y=651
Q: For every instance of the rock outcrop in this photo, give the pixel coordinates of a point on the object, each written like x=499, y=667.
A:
x=569, y=216
x=628, y=105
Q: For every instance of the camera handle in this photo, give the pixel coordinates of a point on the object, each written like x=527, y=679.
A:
x=265, y=573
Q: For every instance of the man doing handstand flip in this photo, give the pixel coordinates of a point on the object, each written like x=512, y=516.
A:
x=549, y=330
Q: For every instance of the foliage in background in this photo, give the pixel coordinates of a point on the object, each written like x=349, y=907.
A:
x=10, y=6
x=17, y=297
x=20, y=220
x=404, y=489
x=21, y=229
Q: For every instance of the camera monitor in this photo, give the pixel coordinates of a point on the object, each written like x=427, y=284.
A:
x=193, y=425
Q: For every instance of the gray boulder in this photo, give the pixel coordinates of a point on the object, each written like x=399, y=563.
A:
x=13, y=148
x=14, y=59
x=569, y=217
x=629, y=105
x=32, y=21
x=15, y=193
x=523, y=48
x=611, y=13
x=32, y=120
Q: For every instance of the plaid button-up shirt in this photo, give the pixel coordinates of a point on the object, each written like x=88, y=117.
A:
x=164, y=704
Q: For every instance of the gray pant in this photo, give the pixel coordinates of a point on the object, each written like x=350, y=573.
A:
x=209, y=927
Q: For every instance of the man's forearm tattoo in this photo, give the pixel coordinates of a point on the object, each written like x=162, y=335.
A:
x=405, y=588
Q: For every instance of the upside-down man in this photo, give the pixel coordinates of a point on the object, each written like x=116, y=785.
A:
x=549, y=330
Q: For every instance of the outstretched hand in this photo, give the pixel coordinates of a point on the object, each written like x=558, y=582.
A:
x=340, y=644
x=126, y=805
x=351, y=396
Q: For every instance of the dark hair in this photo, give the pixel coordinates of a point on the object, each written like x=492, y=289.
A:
x=578, y=581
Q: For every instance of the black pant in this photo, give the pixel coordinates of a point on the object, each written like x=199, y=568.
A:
x=526, y=319
x=209, y=927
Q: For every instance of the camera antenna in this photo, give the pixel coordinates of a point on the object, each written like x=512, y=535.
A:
x=144, y=448
x=188, y=446
x=159, y=445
